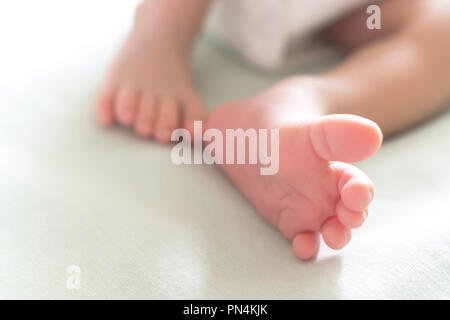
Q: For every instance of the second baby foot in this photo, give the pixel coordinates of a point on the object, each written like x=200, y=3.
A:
x=149, y=88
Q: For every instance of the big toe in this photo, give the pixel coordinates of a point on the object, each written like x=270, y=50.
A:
x=347, y=138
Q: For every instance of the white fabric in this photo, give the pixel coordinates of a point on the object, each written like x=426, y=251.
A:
x=273, y=33
x=138, y=226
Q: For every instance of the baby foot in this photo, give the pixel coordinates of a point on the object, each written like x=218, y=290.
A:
x=315, y=190
x=149, y=87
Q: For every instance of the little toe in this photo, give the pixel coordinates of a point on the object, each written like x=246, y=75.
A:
x=306, y=245
x=126, y=105
x=343, y=137
x=146, y=115
x=105, y=105
x=350, y=219
x=168, y=119
x=335, y=235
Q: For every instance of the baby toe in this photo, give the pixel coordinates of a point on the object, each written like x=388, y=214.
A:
x=356, y=189
x=192, y=111
x=344, y=137
x=168, y=119
x=105, y=103
x=350, y=219
x=146, y=116
x=306, y=245
x=126, y=105
x=335, y=235
x=357, y=194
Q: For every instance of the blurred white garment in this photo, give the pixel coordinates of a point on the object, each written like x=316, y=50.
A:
x=269, y=33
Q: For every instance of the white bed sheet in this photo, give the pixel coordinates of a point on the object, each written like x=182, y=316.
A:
x=138, y=226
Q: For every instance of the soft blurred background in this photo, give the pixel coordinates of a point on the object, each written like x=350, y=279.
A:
x=138, y=226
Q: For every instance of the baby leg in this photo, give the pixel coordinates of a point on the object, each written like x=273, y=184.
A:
x=399, y=76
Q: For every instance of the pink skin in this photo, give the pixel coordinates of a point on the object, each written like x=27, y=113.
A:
x=149, y=86
x=315, y=190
